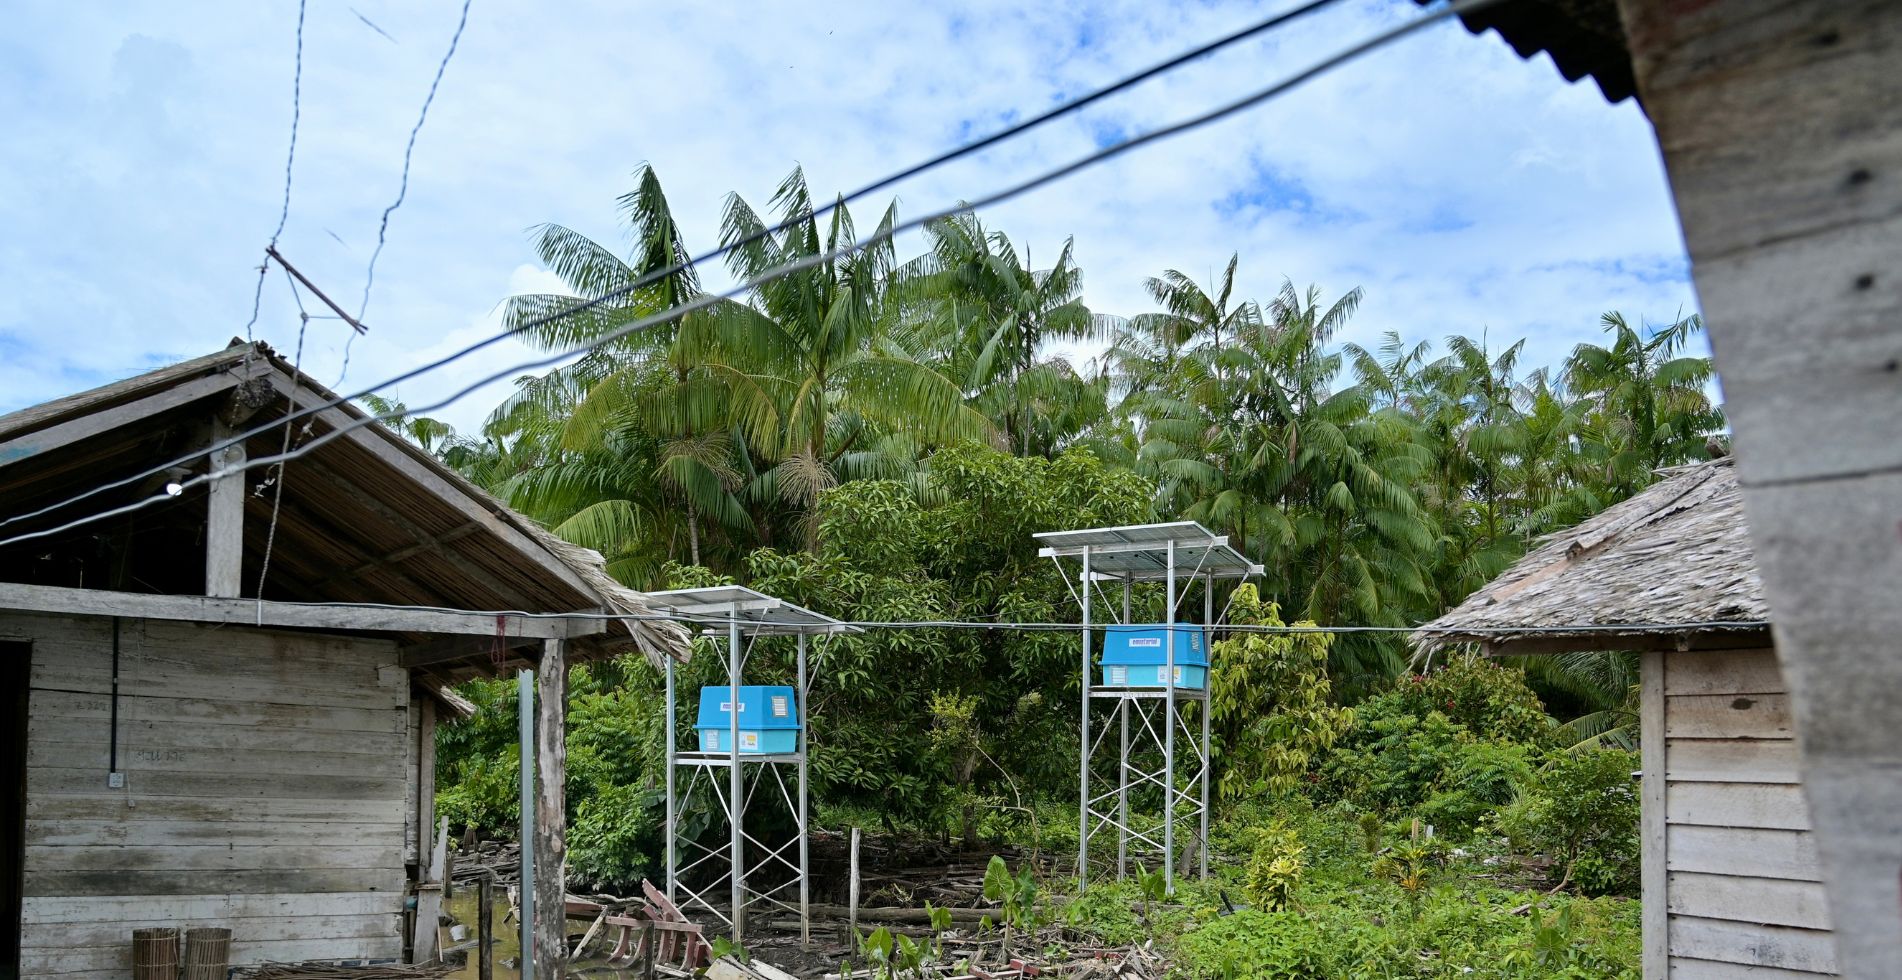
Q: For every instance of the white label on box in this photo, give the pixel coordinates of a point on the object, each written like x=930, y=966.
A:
x=749, y=740
x=1119, y=675
x=726, y=707
x=1178, y=675
x=713, y=741
x=1145, y=641
x=779, y=706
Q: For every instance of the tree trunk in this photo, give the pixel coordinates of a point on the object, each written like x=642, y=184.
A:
x=551, y=817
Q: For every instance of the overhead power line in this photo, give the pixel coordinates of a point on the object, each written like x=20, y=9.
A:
x=290, y=160
x=402, y=186
x=652, y=277
x=1343, y=56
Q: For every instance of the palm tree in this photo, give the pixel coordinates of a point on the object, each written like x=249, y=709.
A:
x=814, y=373
x=985, y=315
x=639, y=408
x=1649, y=402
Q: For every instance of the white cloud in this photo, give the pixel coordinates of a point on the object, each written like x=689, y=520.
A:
x=1466, y=190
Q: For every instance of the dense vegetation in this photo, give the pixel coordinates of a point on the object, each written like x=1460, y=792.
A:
x=877, y=437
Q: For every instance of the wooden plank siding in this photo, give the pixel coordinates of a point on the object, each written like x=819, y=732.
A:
x=268, y=788
x=1740, y=890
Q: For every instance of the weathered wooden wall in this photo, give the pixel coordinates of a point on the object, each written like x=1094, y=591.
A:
x=268, y=780
x=1731, y=850
x=1781, y=127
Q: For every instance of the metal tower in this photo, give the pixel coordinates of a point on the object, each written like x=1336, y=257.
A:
x=1148, y=758
x=743, y=615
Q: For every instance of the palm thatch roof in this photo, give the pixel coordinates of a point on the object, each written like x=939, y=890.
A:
x=1670, y=566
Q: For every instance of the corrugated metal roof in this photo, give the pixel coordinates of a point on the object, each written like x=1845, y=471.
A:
x=1583, y=37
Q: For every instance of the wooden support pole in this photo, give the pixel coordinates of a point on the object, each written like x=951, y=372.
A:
x=852, y=892
x=551, y=820
x=1780, y=130
x=224, y=518
x=485, y=928
x=425, y=778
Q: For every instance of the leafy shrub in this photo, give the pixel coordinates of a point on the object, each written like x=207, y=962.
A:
x=1393, y=761
x=1274, y=871
x=1485, y=697
x=1481, y=778
x=1270, y=702
x=1583, y=809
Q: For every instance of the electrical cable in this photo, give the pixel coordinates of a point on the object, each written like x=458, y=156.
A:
x=655, y=276
x=277, y=484
x=402, y=187
x=838, y=626
x=675, y=312
x=290, y=160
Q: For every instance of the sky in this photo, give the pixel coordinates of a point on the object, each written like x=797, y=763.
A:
x=1465, y=190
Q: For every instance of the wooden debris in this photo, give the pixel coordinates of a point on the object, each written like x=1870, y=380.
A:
x=321, y=971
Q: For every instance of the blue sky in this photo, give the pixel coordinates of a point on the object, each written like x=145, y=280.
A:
x=1465, y=190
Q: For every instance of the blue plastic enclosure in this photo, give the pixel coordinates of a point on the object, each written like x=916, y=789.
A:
x=769, y=720
x=1137, y=655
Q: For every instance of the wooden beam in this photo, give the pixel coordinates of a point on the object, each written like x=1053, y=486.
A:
x=86, y=426
x=425, y=815
x=551, y=809
x=378, y=442
x=458, y=648
x=424, y=540
x=1526, y=646
x=1779, y=128
x=247, y=399
x=214, y=609
x=224, y=517
x=400, y=555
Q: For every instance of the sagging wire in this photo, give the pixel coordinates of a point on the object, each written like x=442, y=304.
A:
x=402, y=187
x=1458, y=7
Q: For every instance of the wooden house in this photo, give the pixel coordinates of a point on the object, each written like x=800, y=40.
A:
x=1732, y=885
x=1778, y=122
x=221, y=684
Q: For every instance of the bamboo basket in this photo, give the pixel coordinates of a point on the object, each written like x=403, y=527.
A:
x=155, y=954
x=207, y=953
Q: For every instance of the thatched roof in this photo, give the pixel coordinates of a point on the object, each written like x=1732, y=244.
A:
x=1668, y=564
x=366, y=518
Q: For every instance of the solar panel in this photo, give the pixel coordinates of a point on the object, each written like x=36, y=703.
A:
x=1140, y=552
x=716, y=606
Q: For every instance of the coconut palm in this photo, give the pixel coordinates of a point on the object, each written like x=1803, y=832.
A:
x=982, y=312
x=1649, y=404
x=813, y=369
x=639, y=408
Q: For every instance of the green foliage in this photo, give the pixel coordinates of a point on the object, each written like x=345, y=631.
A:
x=1419, y=911
x=1016, y=895
x=1450, y=747
x=1583, y=809
x=878, y=438
x=1275, y=868
x=1485, y=696
x=1269, y=702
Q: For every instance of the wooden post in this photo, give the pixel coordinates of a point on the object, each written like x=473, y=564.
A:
x=224, y=518
x=485, y=928
x=852, y=892
x=551, y=823
x=1779, y=125
x=425, y=782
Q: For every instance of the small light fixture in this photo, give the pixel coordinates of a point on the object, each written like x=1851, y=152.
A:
x=175, y=480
